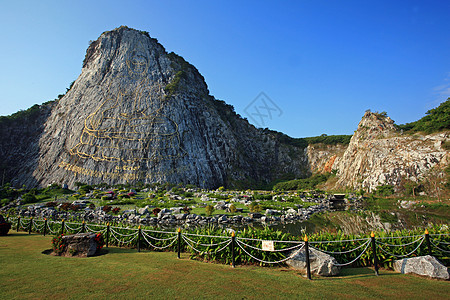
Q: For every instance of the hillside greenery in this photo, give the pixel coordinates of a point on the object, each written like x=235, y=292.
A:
x=32, y=113
x=304, y=142
x=436, y=119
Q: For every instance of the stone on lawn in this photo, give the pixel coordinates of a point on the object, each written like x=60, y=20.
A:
x=422, y=265
x=320, y=263
x=81, y=245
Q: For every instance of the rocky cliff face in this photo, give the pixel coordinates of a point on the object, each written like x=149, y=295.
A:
x=321, y=158
x=380, y=154
x=19, y=143
x=137, y=113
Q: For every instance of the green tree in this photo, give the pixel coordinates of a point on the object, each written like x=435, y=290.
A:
x=254, y=207
x=384, y=190
x=29, y=198
x=209, y=209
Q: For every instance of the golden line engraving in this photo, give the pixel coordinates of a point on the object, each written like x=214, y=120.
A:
x=126, y=137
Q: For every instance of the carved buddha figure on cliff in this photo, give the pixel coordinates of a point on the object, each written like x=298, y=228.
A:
x=129, y=125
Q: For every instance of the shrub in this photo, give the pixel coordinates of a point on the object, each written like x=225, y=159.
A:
x=254, y=207
x=58, y=244
x=156, y=211
x=188, y=194
x=99, y=240
x=74, y=207
x=302, y=184
x=3, y=202
x=106, y=208
x=65, y=206
x=29, y=198
x=116, y=210
x=262, y=196
x=209, y=209
x=384, y=190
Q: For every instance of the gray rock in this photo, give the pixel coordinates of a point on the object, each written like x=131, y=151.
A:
x=269, y=212
x=255, y=215
x=422, y=265
x=165, y=211
x=291, y=211
x=176, y=210
x=320, y=263
x=81, y=244
x=143, y=211
x=222, y=219
x=180, y=216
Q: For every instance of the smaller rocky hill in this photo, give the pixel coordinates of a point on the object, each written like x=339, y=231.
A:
x=380, y=153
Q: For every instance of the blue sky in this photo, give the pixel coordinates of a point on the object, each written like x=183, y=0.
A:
x=322, y=63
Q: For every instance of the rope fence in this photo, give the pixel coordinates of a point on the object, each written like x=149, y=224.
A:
x=230, y=248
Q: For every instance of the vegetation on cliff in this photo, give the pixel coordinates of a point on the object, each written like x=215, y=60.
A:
x=303, y=184
x=32, y=113
x=436, y=119
x=304, y=142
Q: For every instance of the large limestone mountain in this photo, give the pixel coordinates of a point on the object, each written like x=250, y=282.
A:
x=138, y=113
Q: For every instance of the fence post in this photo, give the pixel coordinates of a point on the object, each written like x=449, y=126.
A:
x=308, y=264
x=62, y=227
x=107, y=234
x=18, y=224
x=427, y=238
x=139, y=239
x=83, y=227
x=179, y=242
x=233, y=241
x=31, y=224
x=45, y=226
x=374, y=249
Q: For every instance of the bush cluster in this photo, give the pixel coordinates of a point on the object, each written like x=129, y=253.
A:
x=302, y=184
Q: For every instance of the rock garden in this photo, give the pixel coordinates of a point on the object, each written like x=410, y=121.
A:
x=178, y=206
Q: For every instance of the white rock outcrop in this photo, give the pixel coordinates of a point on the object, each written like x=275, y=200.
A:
x=379, y=154
x=320, y=263
x=422, y=265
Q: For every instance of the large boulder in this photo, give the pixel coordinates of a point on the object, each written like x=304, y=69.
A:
x=422, y=265
x=320, y=263
x=81, y=245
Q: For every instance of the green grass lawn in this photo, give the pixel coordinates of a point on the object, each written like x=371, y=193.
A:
x=26, y=273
